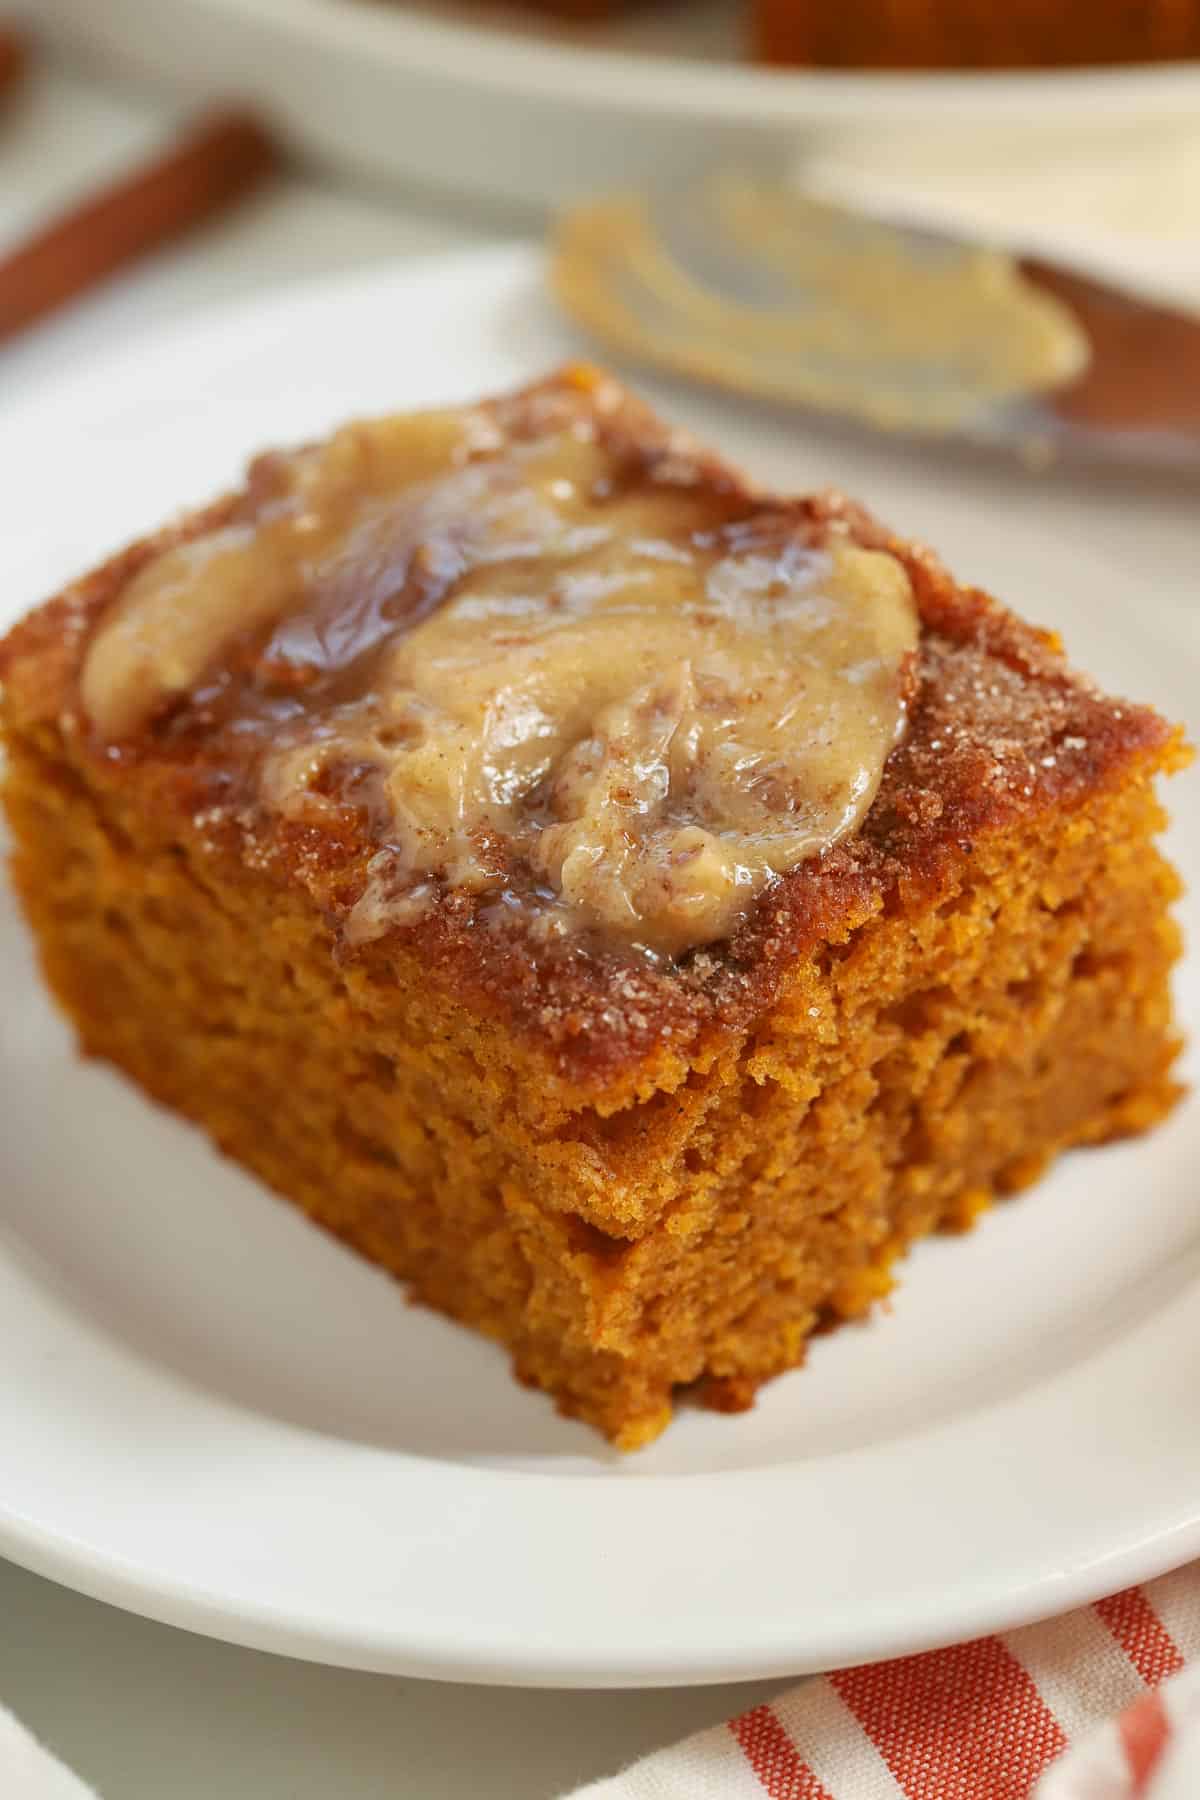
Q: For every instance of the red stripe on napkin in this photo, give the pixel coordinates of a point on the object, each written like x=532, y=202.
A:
x=1141, y=1634
x=1144, y=1730
x=774, y=1758
x=955, y=1724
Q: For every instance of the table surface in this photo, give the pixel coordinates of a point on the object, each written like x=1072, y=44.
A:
x=145, y=1712
x=140, y=1710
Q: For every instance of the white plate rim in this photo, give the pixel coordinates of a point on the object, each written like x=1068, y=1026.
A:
x=1072, y=1564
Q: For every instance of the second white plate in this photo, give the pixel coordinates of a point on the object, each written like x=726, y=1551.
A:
x=212, y=1414
x=475, y=98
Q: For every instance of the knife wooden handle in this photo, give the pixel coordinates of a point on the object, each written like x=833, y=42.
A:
x=1145, y=369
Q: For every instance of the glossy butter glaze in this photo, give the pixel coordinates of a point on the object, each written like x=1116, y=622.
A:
x=584, y=697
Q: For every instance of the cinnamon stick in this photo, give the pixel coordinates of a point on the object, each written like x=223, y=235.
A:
x=221, y=158
x=13, y=57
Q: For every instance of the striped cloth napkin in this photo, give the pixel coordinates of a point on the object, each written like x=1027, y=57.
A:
x=1103, y=1704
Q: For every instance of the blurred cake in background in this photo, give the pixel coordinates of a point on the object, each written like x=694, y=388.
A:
x=974, y=34
x=919, y=34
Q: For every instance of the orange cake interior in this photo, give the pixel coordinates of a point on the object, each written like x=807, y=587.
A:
x=646, y=1074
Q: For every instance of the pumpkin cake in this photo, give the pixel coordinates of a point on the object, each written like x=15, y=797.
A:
x=628, y=907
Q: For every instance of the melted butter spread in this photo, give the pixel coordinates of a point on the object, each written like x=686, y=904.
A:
x=330, y=514
x=581, y=699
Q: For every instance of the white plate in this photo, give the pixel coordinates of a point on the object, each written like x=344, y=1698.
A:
x=462, y=95
x=212, y=1414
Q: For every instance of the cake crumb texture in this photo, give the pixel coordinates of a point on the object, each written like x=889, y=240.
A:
x=642, y=1179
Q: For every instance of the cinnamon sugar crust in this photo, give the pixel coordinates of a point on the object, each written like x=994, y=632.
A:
x=1000, y=731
